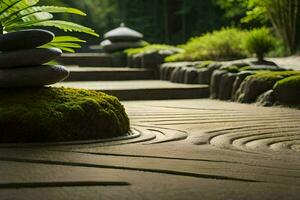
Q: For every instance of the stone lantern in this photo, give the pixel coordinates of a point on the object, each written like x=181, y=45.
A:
x=121, y=38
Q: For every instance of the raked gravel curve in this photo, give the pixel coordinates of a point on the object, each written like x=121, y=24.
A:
x=180, y=149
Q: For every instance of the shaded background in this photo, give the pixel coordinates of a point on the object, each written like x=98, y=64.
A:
x=161, y=21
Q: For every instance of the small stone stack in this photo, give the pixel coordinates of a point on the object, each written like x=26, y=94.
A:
x=22, y=62
x=121, y=38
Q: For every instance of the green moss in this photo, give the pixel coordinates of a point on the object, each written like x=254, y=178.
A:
x=151, y=48
x=293, y=81
x=175, y=58
x=273, y=77
x=231, y=69
x=204, y=64
x=250, y=68
x=59, y=114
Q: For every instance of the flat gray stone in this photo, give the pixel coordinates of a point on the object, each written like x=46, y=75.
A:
x=25, y=39
x=32, y=76
x=28, y=57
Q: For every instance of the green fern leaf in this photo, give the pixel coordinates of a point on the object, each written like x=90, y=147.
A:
x=64, y=25
x=29, y=19
x=37, y=9
x=9, y=7
x=67, y=39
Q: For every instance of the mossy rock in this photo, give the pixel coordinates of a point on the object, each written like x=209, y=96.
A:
x=287, y=91
x=255, y=85
x=59, y=114
x=204, y=64
x=262, y=68
x=231, y=69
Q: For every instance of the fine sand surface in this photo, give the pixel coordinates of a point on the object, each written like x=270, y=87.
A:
x=180, y=149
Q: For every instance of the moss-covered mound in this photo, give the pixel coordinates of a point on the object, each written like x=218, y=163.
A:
x=59, y=114
x=257, y=84
x=287, y=91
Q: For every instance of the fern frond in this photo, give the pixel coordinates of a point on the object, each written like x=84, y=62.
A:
x=29, y=19
x=37, y=9
x=9, y=7
x=67, y=39
x=63, y=25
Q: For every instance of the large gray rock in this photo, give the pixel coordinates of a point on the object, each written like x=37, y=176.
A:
x=204, y=74
x=182, y=74
x=32, y=76
x=191, y=76
x=168, y=72
x=175, y=75
x=25, y=39
x=237, y=83
x=28, y=57
x=137, y=61
x=215, y=83
x=266, y=99
x=251, y=88
x=287, y=91
x=226, y=86
x=151, y=60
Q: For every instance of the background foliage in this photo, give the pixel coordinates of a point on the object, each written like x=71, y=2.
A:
x=161, y=21
x=176, y=21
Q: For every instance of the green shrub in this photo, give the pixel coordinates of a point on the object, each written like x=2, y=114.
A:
x=59, y=114
x=259, y=41
x=224, y=44
x=151, y=48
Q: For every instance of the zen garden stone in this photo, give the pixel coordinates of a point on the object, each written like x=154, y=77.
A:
x=25, y=39
x=21, y=62
x=32, y=76
x=28, y=57
x=121, y=38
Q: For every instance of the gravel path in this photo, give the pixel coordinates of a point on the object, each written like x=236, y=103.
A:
x=180, y=149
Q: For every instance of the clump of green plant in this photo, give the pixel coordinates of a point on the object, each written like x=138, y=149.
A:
x=151, y=48
x=59, y=114
x=224, y=44
x=259, y=41
x=25, y=14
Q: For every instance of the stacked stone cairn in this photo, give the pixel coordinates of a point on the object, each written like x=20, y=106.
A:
x=121, y=38
x=22, y=62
